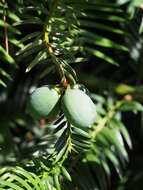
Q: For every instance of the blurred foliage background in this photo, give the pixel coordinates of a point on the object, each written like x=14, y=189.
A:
x=99, y=44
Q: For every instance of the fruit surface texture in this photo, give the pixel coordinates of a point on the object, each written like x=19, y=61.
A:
x=43, y=102
x=78, y=108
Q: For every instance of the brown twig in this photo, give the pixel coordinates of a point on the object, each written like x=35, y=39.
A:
x=5, y=27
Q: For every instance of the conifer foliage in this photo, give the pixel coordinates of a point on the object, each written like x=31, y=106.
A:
x=61, y=135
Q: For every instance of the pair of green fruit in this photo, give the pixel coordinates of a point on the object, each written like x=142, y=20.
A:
x=77, y=107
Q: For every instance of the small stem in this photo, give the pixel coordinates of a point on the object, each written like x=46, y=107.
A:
x=100, y=127
x=50, y=49
x=104, y=120
x=51, y=52
x=69, y=148
x=60, y=163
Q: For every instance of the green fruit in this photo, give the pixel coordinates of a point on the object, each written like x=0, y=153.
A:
x=78, y=108
x=43, y=102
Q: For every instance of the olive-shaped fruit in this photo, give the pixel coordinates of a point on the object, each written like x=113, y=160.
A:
x=43, y=102
x=78, y=108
